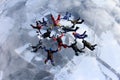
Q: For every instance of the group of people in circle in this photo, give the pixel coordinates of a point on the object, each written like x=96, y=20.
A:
x=63, y=30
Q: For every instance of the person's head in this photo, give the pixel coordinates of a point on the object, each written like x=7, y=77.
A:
x=50, y=49
x=66, y=13
x=74, y=33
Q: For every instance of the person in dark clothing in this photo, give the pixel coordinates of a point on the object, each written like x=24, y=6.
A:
x=67, y=16
x=68, y=29
x=38, y=46
x=74, y=22
x=47, y=34
x=38, y=26
x=88, y=45
x=43, y=22
x=75, y=48
x=56, y=22
x=50, y=55
x=80, y=36
x=59, y=41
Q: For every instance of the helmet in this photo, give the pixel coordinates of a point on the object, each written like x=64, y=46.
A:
x=50, y=49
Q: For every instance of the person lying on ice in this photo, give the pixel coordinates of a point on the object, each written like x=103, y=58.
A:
x=74, y=22
x=59, y=41
x=38, y=26
x=55, y=22
x=43, y=22
x=38, y=46
x=68, y=29
x=80, y=36
x=88, y=45
x=67, y=16
x=50, y=55
x=75, y=48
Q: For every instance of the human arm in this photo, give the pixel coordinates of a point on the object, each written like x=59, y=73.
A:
x=32, y=26
x=45, y=48
x=78, y=19
x=53, y=37
x=69, y=46
x=52, y=18
x=80, y=22
x=75, y=42
x=61, y=35
x=55, y=51
x=58, y=18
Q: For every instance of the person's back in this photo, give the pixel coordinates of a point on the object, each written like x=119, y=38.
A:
x=50, y=54
x=46, y=34
x=59, y=40
x=74, y=46
x=76, y=35
x=86, y=43
x=89, y=45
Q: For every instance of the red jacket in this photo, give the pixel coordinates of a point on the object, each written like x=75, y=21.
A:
x=56, y=22
x=58, y=38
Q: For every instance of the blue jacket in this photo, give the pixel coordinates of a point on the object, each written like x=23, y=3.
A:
x=80, y=36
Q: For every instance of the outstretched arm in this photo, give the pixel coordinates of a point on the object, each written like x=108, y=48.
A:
x=40, y=22
x=69, y=46
x=78, y=19
x=70, y=20
x=54, y=38
x=45, y=49
x=75, y=42
x=37, y=23
x=32, y=26
x=80, y=22
x=61, y=35
x=83, y=44
x=69, y=14
x=83, y=33
x=52, y=18
x=58, y=18
x=55, y=51
x=43, y=19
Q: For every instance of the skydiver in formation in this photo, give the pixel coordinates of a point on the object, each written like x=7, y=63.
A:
x=68, y=29
x=88, y=45
x=75, y=48
x=38, y=26
x=38, y=46
x=67, y=16
x=56, y=22
x=74, y=22
x=50, y=55
x=59, y=41
x=43, y=22
x=80, y=36
x=47, y=34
